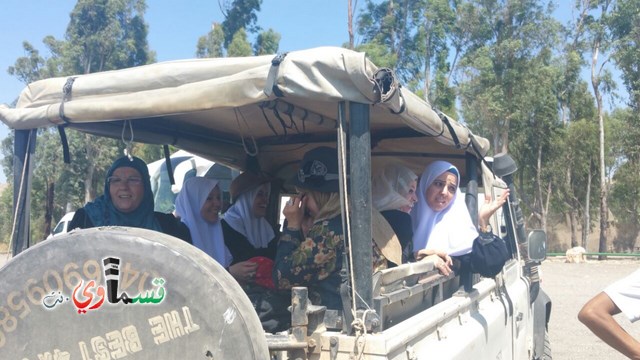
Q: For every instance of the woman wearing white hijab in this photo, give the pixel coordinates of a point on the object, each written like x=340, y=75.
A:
x=247, y=233
x=252, y=242
x=441, y=221
x=198, y=205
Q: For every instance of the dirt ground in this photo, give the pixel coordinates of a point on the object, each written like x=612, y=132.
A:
x=570, y=286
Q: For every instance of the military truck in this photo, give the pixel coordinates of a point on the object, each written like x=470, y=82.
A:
x=113, y=292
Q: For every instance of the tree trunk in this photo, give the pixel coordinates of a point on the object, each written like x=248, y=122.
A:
x=350, y=12
x=586, y=223
x=545, y=208
x=427, y=68
x=572, y=217
x=540, y=198
x=48, y=214
x=392, y=35
x=604, y=210
x=89, y=193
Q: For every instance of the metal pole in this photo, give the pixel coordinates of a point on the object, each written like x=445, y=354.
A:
x=471, y=195
x=23, y=150
x=471, y=199
x=360, y=181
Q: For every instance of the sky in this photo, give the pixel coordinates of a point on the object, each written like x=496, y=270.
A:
x=174, y=29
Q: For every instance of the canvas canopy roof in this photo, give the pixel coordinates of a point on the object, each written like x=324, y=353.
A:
x=225, y=108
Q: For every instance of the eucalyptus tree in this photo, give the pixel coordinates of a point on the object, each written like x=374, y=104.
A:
x=580, y=150
x=231, y=37
x=624, y=24
x=411, y=36
x=594, y=14
x=625, y=27
x=6, y=195
x=104, y=35
x=506, y=36
x=267, y=42
x=6, y=216
x=578, y=115
x=625, y=188
x=239, y=14
x=387, y=26
x=240, y=45
x=535, y=129
x=101, y=35
x=212, y=44
x=506, y=80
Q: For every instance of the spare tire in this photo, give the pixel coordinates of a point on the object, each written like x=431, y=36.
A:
x=165, y=299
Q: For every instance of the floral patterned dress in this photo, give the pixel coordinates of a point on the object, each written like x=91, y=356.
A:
x=314, y=261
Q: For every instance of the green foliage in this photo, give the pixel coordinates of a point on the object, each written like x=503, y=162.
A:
x=6, y=215
x=508, y=38
x=7, y=156
x=267, y=42
x=239, y=46
x=27, y=68
x=211, y=45
x=625, y=27
x=625, y=187
x=106, y=35
x=101, y=35
x=379, y=54
x=413, y=37
x=241, y=14
x=149, y=153
x=240, y=17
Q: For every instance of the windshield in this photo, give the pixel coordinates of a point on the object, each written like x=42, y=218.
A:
x=60, y=227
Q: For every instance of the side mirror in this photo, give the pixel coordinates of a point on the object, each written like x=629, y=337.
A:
x=537, y=245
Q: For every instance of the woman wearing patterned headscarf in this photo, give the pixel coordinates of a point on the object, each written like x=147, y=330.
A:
x=313, y=259
x=128, y=201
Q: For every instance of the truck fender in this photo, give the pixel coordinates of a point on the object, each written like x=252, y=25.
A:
x=541, y=315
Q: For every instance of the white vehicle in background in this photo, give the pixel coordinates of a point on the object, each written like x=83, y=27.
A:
x=63, y=225
x=184, y=166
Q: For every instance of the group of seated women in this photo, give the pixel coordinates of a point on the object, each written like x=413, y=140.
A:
x=412, y=219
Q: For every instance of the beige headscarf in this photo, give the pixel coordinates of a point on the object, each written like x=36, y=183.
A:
x=385, y=238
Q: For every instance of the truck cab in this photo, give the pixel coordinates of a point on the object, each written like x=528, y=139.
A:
x=263, y=113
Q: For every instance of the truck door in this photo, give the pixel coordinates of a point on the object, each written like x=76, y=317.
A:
x=515, y=288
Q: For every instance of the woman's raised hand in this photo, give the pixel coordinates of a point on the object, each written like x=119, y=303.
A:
x=294, y=211
x=489, y=207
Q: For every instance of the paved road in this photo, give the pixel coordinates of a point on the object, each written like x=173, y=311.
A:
x=570, y=286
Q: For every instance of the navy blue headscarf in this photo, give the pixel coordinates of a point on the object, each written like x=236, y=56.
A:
x=102, y=212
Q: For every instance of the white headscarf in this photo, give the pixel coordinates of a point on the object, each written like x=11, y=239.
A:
x=390, y=187
x=240, y=217
x=205, y=236
x=450, y=229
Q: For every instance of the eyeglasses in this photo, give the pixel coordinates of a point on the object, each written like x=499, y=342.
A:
x=133, y=181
